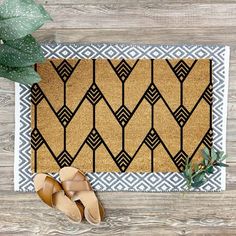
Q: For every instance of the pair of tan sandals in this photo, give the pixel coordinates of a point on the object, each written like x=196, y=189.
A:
x=74, y=196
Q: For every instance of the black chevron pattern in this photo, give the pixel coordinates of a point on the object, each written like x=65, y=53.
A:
x=64, y=115
x=123, y=69
x=64, y=69
x=123, y=160
x=123, y=115
x=180, y=160
x=152, y=94
x=152, y=139
x=94, y=139
x=181, y=69
x=181, y=115
x=94, y=94
x=36, y=94
x=208, y=94
x=36, y=139
x=208, y=139
x=64, y=159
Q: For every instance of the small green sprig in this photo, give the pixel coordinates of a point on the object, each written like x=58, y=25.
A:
x=195, y=175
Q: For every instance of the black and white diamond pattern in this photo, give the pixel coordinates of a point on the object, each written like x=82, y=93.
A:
x=148, y=182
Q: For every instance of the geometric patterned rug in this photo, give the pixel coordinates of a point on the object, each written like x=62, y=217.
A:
x=133, y=181
x=121, y=115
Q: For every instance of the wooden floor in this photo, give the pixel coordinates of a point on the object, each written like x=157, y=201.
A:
x=144, y=21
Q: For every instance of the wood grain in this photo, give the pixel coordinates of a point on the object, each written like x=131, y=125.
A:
x=125, y=14
x=151, y=21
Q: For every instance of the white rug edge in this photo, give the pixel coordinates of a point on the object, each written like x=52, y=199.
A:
x=17, y=125
x=225, y=108
x=17, y=137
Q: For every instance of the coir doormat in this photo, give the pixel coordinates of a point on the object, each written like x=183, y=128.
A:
x=128, y=181
x=121, y=115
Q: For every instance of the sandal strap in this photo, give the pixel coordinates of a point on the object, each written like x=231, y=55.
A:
x=49, y=188
x=76, y=185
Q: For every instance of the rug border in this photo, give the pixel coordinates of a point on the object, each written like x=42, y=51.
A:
x=225, y=103
x=225, y=109
x=17, y=137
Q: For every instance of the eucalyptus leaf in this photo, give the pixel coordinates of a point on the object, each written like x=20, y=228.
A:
x=210, y=159
x=196, y=167
x=223, y=157
x=214, y=155
x=19, y=18
x=206, y=150
x=186, y=173
x=24, y=75
x=205, y=161
x=199, y=177
x=198, y=184
x=210, y=170
x=21, y=52
x=186, y=176
x=205, y=154
x=222, y=164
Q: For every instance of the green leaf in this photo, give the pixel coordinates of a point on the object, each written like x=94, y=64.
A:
x=222, y=164
x=196, y=168
x=187, y=173
x=206, y=150
x=205, y=153
x=198, y=184
x=214, y=155
x=24, y=75
x=199, y=177
x=210, y=170
x=21, y=52
x=222, y=156
x=19, y=18
x=205, y=162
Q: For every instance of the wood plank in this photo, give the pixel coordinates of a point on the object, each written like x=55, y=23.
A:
x=198, y=35
x=128, y=15
x=147, y=214
x=150, y=21
x=131, y=2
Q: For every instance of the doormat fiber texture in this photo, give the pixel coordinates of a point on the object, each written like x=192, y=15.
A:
x=121, y=115
x=124, y=181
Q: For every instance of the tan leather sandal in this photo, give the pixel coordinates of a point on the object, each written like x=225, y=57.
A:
x=77, y=187
x=51, y=193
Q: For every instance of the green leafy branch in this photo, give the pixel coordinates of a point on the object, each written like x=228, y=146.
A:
x=19, y=51
x=195, y=176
